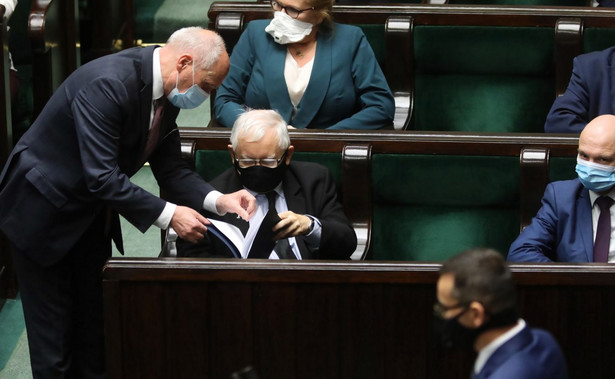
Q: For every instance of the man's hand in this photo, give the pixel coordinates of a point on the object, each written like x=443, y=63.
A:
x=241, y=202
x=189, y=224
x=292, y=225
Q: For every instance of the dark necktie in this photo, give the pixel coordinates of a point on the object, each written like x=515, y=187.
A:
x=263, y=241
x=603, y=230
x=154, y=130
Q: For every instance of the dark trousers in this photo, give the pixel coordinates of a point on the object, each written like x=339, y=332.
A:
x=63, y=310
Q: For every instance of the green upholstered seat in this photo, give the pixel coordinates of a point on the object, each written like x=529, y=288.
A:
x=479, y=78
x=156, y=20
x=595, y=39
x=562, y=168
x=428, y=208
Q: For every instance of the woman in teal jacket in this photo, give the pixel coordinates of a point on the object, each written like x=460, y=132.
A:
x=315, y=73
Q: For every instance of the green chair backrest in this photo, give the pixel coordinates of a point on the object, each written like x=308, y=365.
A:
x=430, y=207
x=483, y=78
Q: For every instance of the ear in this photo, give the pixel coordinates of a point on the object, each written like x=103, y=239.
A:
x=183, y=61
x=477, y=313
x=289, y=154
x=230, y=150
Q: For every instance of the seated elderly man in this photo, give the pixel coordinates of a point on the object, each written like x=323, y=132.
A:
x=298, y=215
x=574, y=223
x=477, y=309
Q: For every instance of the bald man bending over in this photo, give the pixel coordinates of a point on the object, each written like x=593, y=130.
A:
x=567, y=226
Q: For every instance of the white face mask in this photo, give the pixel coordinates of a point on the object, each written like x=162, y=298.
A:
x=285, y=29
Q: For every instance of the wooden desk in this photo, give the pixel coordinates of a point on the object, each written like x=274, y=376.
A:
x=181, y=318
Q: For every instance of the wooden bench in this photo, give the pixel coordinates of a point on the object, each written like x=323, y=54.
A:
x=462, y=67
x=398, y=186
x=182, y=318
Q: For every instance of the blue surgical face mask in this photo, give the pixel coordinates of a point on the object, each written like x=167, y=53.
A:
x=192, y=98
x=594, y=176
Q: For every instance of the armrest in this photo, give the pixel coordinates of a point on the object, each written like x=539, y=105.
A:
x=357, y=195
x=169, y=247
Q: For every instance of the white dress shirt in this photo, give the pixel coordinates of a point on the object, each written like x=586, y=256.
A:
x=209, y=203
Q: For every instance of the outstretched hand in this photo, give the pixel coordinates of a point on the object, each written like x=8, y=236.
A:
x=189, y=224
x=241, y=202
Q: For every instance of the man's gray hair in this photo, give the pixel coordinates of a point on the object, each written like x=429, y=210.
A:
x=253, y=123
x=205, y=48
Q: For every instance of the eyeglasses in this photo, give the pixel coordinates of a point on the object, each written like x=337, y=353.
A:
x=265, y=162
x=439, y=309
x=292, y=12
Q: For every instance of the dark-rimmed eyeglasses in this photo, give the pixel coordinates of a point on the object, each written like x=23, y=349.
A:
x=440, y=309
x=265, y=162
x=292, y=12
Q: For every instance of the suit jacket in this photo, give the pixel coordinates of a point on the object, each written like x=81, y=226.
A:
x=562, y=229
x=77, y=157
x=347, y=89
x=590, y=93
x=308, y=189
x=531, y=354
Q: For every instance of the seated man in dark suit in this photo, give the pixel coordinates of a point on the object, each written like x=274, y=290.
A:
x=477, y=308
x=590, y=93
x=308, y=218
x=571, y=225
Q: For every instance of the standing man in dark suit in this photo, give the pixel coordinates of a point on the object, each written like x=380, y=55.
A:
x=67, y=180
x=566, y=225
x=311, y=220
x=590, y=93
x=477, y=308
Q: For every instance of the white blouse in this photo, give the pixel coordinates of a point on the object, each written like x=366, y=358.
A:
x=297, y=78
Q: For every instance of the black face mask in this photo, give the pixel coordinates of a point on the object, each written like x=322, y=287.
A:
x=261, y=179
x=455, y=336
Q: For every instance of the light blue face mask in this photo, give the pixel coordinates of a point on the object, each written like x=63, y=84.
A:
x=192, y=98
x=594, y=176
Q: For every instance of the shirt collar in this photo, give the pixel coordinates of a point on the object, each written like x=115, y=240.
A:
x=593, y=196
x=157, y=84
x=277, y=189
x=487, y=351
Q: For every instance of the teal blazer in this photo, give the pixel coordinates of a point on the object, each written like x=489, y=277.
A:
x=347, y=89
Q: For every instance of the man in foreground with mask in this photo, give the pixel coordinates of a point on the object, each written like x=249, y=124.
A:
x=575, y=221
x=308, y=222
x=67, y=180
x=476, y=309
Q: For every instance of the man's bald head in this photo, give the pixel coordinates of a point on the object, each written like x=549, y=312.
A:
x=597, y=141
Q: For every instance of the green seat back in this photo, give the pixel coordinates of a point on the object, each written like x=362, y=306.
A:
x=562, y=168
x=428, y=208
x=477, y=78
x=375, y=36
x=595, y=39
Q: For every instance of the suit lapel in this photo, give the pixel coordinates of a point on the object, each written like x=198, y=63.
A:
x=585, y=227
x=318, y=85
x=295, y=200
x=276, y=89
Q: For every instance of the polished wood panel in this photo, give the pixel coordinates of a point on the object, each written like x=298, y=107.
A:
x=207, y=318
